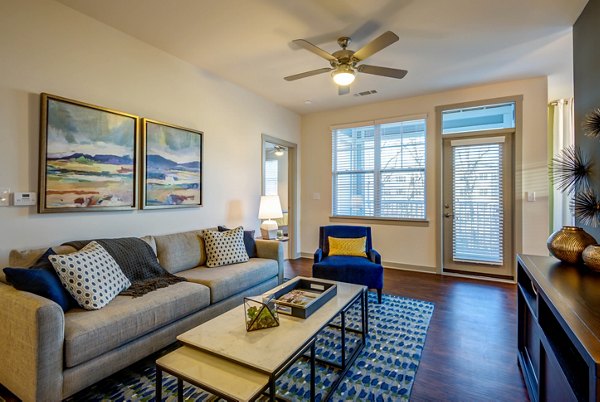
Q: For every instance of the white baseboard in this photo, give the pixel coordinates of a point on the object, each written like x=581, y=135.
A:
x=480, y=277
x=408, y=267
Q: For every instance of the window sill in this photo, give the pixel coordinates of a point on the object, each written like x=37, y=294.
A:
x=381, y=221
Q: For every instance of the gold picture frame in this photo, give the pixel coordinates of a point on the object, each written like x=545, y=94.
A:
x=172, y=166
x=88, y=157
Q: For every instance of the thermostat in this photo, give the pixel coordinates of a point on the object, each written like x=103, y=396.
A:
x=24, y=199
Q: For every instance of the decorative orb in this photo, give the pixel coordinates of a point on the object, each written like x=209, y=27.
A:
x=591, y=257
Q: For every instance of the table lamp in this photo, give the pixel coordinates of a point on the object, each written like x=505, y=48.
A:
x=270, y=208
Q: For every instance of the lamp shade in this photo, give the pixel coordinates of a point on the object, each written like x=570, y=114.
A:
x=270, y=207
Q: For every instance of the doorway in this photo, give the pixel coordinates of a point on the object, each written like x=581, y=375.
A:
x=279, y=178
x=479, y=144
x=477, y=205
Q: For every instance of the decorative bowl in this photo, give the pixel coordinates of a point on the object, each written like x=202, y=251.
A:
x=568, y=243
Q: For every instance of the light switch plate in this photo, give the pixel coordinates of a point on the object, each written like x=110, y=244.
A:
x=4, y=197
x=316, y=196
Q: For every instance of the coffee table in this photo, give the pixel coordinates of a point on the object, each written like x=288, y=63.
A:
x=267, y=353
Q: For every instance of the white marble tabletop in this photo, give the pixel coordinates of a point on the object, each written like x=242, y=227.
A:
x=265, y=349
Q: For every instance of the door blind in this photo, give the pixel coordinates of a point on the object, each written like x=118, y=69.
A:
x=477, y=230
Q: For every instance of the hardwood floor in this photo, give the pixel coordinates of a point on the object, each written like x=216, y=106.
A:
x=471, y=349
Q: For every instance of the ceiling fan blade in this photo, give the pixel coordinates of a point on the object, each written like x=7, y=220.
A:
x=343, y=90
x=307, y=74
x=384, y=71
x=376, y=45
x=315, y=49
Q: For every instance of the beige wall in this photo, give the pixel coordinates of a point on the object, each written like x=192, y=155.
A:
x=47, y=47
x=417, y=245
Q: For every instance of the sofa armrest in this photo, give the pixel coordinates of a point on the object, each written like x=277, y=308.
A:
x=374, y=256
x=273, y=250
x=318, y=255
x=32, y=331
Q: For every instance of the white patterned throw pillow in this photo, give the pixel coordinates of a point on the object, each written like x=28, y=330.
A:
x=224, y=248
x=91, y=275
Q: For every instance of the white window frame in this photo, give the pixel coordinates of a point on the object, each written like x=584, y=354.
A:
x=377, y=171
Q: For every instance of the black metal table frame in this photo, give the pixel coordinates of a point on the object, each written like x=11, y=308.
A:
x=308, y=346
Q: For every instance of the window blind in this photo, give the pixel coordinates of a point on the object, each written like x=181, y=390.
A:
x=477, y=228
x=271, y=177
x=379, y=170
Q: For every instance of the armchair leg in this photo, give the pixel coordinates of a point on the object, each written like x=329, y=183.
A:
x=379, y=295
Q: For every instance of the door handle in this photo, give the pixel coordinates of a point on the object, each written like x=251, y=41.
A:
x=448, y=215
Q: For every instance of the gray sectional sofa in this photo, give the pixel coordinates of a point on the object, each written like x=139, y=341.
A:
x=48, y=355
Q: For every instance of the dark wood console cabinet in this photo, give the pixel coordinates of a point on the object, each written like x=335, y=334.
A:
x=559, y=329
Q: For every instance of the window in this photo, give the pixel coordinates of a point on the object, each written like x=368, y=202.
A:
x=271, y=183
x=479, y=118
x=379, y=169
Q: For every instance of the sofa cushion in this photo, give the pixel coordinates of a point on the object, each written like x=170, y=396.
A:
x=225, y=248
x=27, y=258
x=91, y=333
x=179, y=251
x=41, y=279
x=151, y=242
x=249, y=241
x=343, y=268
x=91, y=275
x=232, y=279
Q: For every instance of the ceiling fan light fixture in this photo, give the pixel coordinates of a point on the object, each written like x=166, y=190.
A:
x=343, y=75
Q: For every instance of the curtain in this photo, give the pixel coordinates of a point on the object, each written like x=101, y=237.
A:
x=563, y=135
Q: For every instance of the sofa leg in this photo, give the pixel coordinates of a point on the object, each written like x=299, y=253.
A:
x=379, y=295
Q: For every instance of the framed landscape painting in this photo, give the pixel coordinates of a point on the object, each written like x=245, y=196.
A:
x=87, y=157
x=172, y=166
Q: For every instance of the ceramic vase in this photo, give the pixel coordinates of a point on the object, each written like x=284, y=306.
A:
x=568, y=243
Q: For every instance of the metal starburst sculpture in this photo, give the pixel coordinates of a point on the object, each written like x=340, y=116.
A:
x=570, y=170
x=591, y=124
x=586, y=207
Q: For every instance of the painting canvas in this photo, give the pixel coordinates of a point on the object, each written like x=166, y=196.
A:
x=172, y=166
x=87, y=158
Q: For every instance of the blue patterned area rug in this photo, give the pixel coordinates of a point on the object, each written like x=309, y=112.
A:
x=384, y=370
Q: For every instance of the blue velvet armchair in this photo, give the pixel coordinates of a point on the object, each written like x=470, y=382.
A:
x=342, y=268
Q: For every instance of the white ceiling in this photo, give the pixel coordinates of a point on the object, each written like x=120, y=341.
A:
x=443, y=44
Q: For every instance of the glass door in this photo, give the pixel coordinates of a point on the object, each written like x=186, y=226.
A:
x=477, y=207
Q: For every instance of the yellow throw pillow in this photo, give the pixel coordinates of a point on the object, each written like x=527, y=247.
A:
x=353, y=247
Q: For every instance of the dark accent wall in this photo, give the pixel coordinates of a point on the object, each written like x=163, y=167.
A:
x=586, y=59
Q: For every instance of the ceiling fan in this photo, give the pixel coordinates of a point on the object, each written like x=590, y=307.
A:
x=344, y=62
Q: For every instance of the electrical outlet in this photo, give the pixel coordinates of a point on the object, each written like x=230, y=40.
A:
x=4, y=197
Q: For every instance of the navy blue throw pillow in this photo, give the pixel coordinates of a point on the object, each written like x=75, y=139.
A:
x=249, y=242
x=42, y=280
